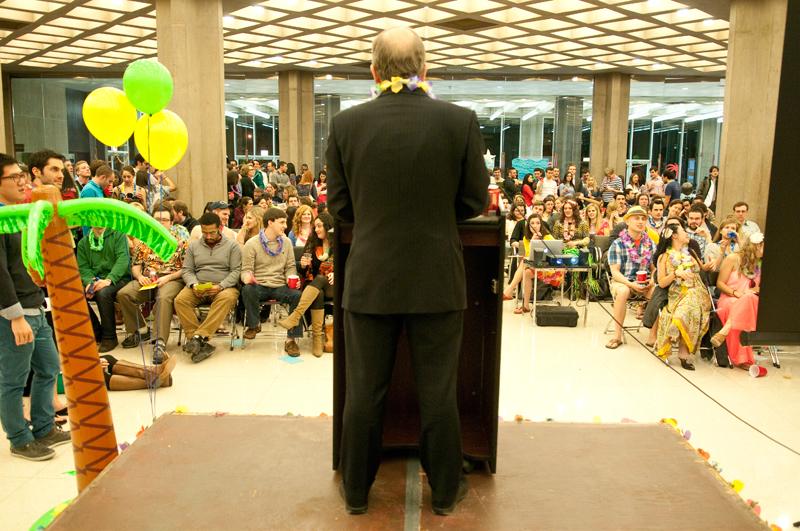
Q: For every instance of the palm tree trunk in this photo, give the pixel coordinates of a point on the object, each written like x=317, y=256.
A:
x=94, y=443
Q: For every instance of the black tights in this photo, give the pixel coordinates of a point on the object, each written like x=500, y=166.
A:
x=321, y=283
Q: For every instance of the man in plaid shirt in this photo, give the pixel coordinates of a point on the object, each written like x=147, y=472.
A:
x=632, y=252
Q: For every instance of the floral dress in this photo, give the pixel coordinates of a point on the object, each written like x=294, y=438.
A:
x=688, y=308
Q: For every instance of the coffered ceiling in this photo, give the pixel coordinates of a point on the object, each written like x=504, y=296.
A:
x=464, y=38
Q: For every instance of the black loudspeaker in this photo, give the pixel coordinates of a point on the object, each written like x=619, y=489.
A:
x=556, y=316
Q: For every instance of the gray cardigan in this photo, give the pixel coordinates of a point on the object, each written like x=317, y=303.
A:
x=221, y=264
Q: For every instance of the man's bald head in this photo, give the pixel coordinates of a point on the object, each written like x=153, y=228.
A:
x=398, y=52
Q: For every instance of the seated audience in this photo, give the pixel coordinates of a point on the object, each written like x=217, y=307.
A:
x=570, y=227
x=234, y=186
x=104, y=265
x=322, y=187
x=612, y=183
x=221, y=210
x=244, y=206
x=533, y=229
x=636, y=184
x=268, y=261
x=147, y=268
x=740, y=210
x=183, y=216
x=672, y=188
x=643, y=200
x=628, y=254
x=739, y=283
x=726, y=241
x=656, y=218
x=302, y=226
x=514, y=216
x=547, y=187
x=214, y=259
x=316, y=265
x=128, y=191
x=675, y=209
x=246, y=184
x=598, y=226
x=305, y=188
x=622, y=203
x=590, y=192
x=567, y=188
x=684, y=319
x=529, y=189
x=699, y=232
x=253, y=223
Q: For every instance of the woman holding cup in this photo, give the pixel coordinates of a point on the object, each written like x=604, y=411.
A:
x=684, y=320
x=317, y=266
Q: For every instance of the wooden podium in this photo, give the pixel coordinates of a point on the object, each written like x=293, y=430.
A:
x=479, y=367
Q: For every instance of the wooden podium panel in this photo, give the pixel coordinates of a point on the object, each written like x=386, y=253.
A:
x=479, y=366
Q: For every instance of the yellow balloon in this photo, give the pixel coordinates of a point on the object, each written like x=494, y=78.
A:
x=162, y=139
x=109, y=116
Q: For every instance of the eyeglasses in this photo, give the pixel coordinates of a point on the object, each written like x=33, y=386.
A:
x=18, y=177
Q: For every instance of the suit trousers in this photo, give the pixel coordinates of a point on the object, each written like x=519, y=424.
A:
x=221, y=305
x=435, y=344
x=130, y=297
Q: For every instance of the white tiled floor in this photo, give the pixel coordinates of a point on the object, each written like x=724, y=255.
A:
x=558, y=373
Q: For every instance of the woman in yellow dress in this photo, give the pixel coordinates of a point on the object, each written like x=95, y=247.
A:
x=684, y=320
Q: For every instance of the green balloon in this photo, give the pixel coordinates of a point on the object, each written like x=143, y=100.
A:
x=148, y=85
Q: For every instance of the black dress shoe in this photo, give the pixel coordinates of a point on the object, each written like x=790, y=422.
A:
x=351, y=509
x=463, y=488
x=687, y=365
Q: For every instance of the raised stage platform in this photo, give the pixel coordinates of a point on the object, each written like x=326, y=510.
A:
x=256, y=472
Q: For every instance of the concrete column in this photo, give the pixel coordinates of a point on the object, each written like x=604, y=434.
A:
x=296, y=96
x=189, y=34
x=6, y=130
x=568, y=120
x=755, y=53
x=531, y=137
x=609, y=142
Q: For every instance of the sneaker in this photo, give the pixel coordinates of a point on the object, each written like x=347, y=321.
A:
x=133, y=340
x=33, y=451
x=463, y=488
x=193, y=345
x=291, y=348
x=159, y=352
x=107, y=345
x=206, y=349
x=56, y=437
x=250, y=333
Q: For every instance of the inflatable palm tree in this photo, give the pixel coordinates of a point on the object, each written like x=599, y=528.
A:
x=47, y=250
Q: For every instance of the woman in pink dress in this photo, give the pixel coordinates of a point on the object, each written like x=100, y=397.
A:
x=739, y=282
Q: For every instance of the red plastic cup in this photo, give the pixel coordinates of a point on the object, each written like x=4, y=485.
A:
x=293, y=281
x=641, y=277
x=757, y=371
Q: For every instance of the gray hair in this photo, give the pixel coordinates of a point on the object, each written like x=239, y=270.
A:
x=398, y=52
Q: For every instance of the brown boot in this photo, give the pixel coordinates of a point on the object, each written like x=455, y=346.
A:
x=159, y=375
x=317, y=333
x=308, y=296
x=328, y=338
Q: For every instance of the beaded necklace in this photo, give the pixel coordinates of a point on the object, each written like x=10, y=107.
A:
x=95, y=242
x=646, y=256
x=397, y=83
x=262, y=237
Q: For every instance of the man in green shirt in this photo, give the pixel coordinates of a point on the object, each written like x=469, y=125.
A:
x=104, y=263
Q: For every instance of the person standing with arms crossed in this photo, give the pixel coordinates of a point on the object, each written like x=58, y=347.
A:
x=406, y=267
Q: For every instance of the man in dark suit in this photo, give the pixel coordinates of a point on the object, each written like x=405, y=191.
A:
x=405, y=268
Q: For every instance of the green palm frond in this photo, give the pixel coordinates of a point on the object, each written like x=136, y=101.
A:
x=13, y=218
x=122, y=217
x=39, y=216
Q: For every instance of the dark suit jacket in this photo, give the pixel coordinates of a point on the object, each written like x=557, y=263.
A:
x=406, y=255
